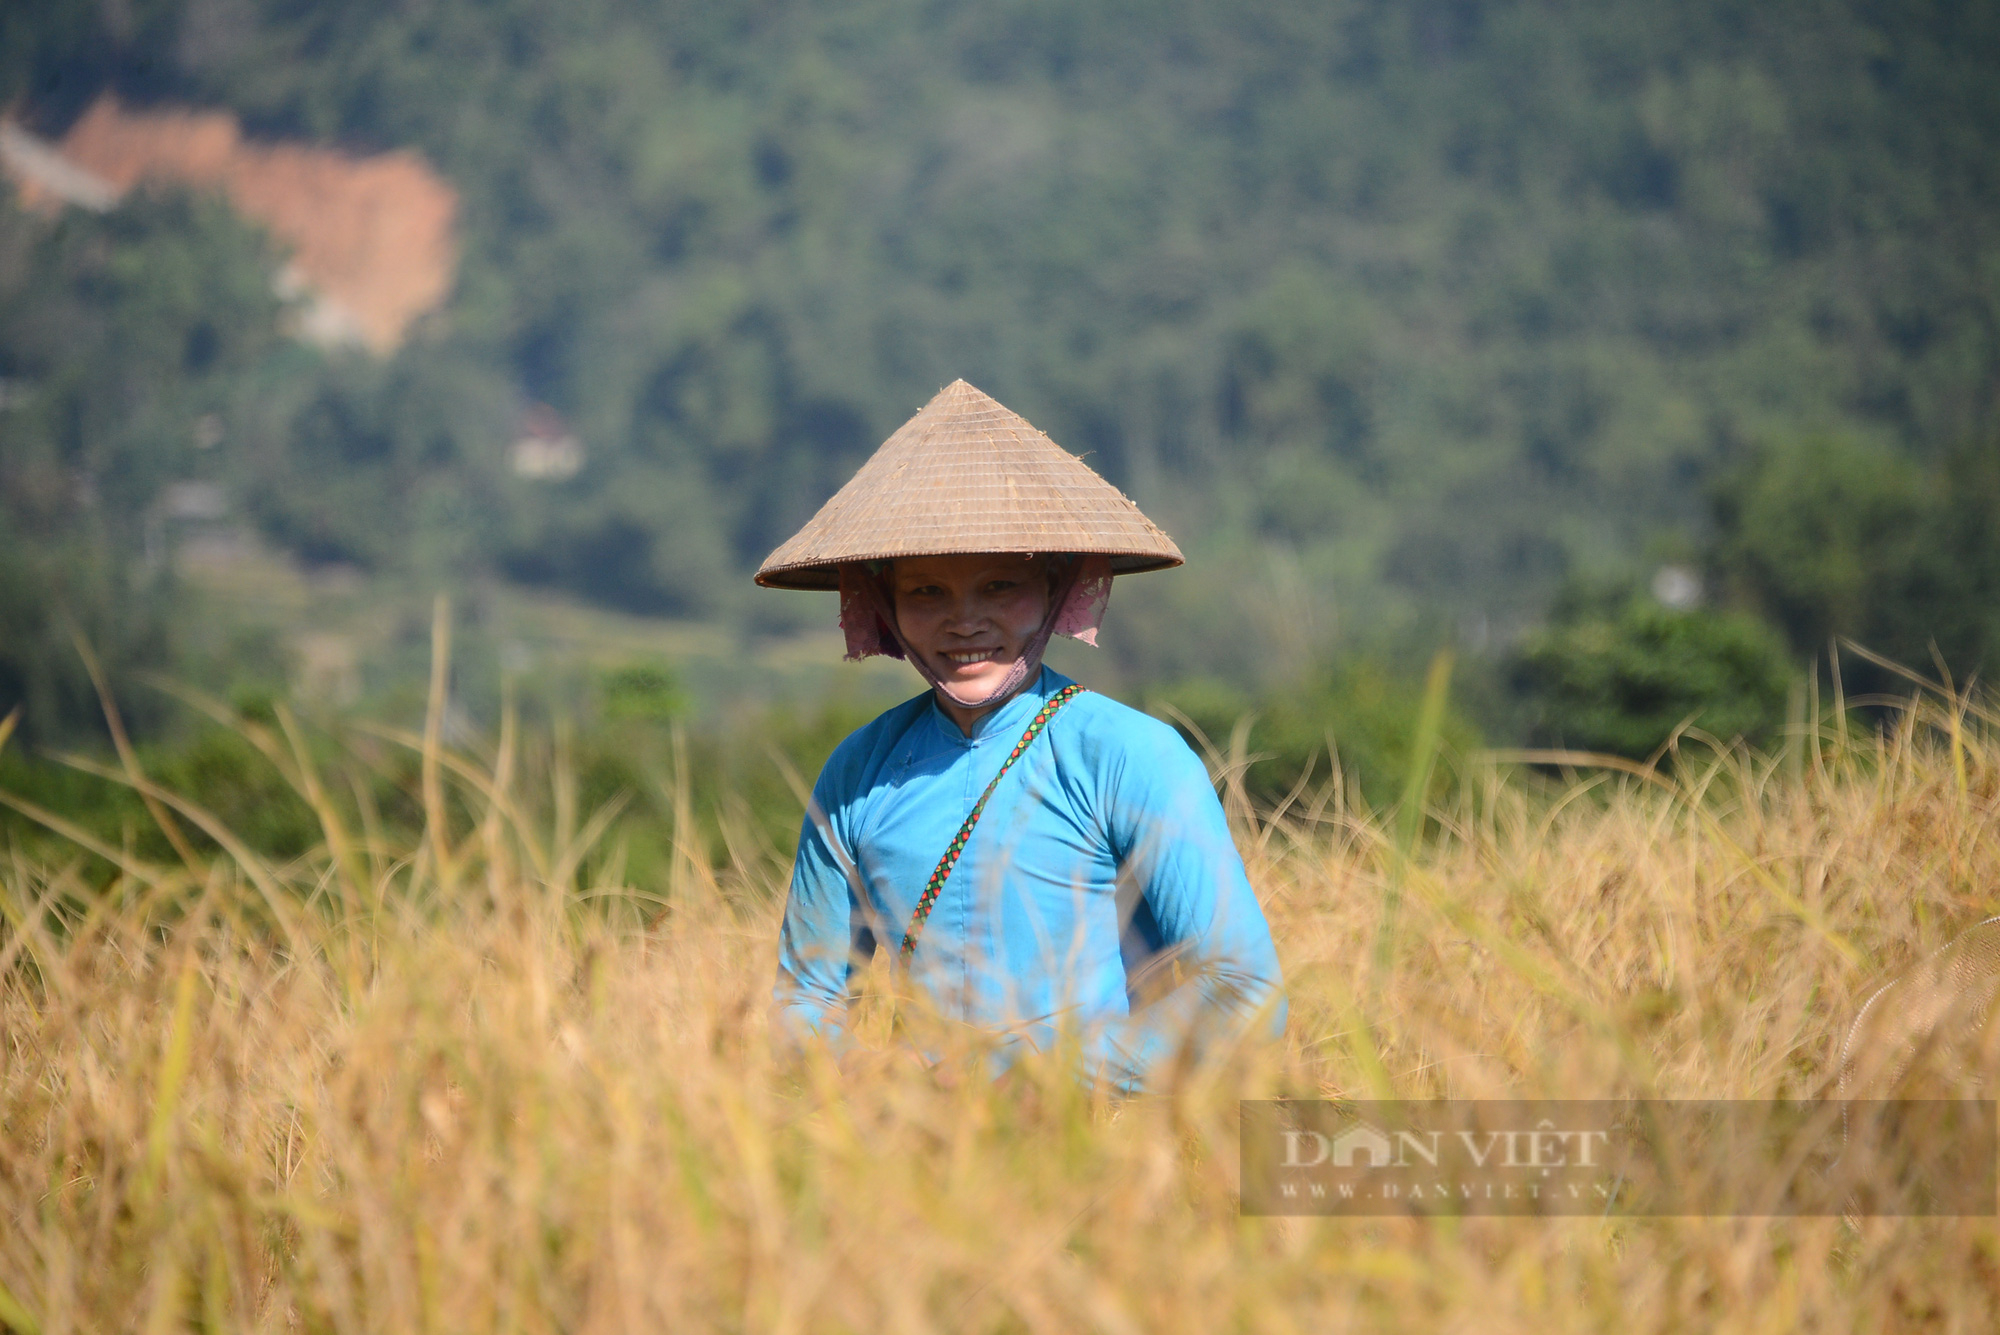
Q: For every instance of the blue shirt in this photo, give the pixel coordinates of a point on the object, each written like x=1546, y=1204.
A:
x=1104, y=848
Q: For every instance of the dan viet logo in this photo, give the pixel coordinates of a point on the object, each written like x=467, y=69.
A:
x=1366, y=1162
x=1543, y=1147
x=1618, y=1157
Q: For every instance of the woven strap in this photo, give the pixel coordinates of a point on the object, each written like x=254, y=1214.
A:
x=950, y=858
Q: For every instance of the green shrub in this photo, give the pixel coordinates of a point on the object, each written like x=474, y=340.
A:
x=1815, y=529
x=1622, y=680
x=1363, y=710
x=1830, y=537
x=646, y=692
x=223, y=772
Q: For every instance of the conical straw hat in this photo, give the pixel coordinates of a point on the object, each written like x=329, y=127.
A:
x=968, y=475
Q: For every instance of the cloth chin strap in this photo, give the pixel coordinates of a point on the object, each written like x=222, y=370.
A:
x=877, y=591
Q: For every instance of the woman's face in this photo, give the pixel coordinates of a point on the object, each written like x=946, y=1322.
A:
x=970, y=616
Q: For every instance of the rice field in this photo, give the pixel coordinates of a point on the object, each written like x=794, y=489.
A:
x=470, y=1080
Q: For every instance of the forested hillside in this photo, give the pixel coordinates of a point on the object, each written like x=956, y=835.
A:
x=1397, y=314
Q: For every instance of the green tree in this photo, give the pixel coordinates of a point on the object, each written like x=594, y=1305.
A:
x=1832, y=538
x=120, y=337
x=1622, y=679
x=1814, y=530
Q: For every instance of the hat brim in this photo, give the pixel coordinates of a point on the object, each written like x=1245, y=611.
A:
x=825, y=575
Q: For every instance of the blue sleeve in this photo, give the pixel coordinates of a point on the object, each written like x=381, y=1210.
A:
x=1169, y=832
x=825, y=932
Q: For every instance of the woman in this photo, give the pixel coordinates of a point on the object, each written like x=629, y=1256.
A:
x=1032, y=851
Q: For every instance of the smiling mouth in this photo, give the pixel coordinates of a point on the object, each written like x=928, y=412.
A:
x=967, y=657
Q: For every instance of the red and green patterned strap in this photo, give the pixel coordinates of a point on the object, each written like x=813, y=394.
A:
x=950, y=858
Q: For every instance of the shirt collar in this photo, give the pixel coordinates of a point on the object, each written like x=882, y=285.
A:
x=1009, y=718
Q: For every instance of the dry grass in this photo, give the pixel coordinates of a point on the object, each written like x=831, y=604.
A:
x=444, y=1087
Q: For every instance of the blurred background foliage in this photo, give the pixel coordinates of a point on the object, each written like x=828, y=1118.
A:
x=1626, y=675
x=1360, y=712
x=1414, y=321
